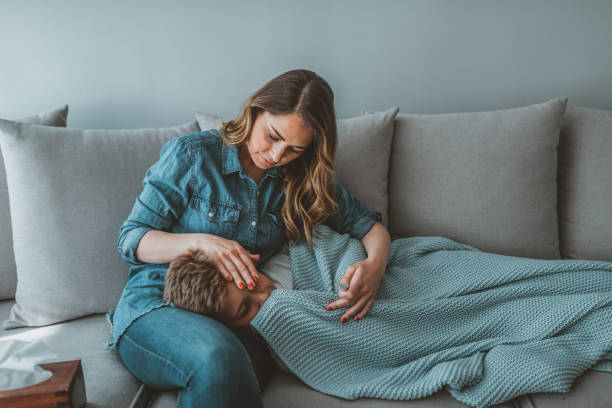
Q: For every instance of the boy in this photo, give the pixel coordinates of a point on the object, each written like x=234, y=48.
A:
x=194, y=284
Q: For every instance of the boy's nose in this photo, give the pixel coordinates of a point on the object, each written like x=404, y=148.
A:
x=262, y=297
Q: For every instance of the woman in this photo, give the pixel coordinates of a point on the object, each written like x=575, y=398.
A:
x=235, y=194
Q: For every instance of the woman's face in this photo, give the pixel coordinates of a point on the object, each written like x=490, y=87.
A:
x=277, y=139
x=241, y=305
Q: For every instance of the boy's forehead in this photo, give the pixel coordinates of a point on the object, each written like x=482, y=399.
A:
x=233, y=299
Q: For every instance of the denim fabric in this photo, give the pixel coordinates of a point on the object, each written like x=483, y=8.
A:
x=205, y=361
x=200, y=185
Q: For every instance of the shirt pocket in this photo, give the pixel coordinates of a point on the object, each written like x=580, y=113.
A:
x=276, y=226
x=211, y=217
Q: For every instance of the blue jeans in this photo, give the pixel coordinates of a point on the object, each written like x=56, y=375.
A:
x=172, y=348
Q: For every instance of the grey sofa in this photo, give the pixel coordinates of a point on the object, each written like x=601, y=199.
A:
x=531, y=182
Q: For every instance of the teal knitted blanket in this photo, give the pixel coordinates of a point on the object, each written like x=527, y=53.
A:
x=486, y=327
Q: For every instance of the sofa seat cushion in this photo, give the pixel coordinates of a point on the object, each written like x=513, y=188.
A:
x=593, y=389
x=286, y=390
x=107, y=382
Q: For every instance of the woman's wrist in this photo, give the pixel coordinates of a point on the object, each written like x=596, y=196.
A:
x=377, y=263
x=159, y=247
x=198, y=241
x=377, y=244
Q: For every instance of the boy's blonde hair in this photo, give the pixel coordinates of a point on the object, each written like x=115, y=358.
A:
x=193, y=283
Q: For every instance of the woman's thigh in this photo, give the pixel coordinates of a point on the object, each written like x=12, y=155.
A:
x=172, y=348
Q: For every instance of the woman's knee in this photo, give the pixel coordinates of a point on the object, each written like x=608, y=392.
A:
x=231, y=385
x=149, y=366
x=175, y=348
x=223, y=362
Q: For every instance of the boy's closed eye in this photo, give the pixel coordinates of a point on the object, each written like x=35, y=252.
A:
x=241, y=305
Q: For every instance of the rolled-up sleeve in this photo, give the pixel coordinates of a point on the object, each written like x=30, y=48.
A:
x=166, y=190
x=351, y=215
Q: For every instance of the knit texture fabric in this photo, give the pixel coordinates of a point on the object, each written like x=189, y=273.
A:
x=486, y=327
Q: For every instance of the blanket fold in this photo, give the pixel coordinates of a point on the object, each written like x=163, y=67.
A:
x=486, y=327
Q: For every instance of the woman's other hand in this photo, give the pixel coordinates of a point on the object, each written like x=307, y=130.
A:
x=363, y=279
x=233, y=261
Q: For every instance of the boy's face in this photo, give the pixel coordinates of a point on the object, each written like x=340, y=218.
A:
x=241, y=305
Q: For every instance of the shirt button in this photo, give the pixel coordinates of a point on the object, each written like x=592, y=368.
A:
x=210, y=214
x=253, y=223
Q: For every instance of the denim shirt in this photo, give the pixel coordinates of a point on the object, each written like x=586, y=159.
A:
x=200, y=185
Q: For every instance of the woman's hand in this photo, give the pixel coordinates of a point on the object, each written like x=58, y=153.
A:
x=363, y=279
x=232, y=260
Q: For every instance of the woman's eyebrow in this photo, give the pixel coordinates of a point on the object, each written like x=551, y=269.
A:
x=279, y=135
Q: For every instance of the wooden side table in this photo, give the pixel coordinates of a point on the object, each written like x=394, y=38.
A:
x=65, y=389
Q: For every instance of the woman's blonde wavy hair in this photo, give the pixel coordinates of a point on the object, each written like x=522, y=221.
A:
x=309, y=179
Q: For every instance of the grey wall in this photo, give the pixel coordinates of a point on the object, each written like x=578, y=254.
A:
x=121, y=64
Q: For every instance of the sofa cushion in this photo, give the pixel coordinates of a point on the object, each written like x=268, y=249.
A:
x=70, y=191
x=591, y=389
x=8, y=276
x=487, y=179
x=286, y=390
x=56, y=117
x=362, y=158
x=107, y=382
x=208, y=121
x=585, y=184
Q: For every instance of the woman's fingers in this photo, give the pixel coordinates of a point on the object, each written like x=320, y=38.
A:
x=361, y=292
x=352, y=294
x=346, y=299
x=224, y=271
x=245, y=266
x=233, y=261
x=338, y=304
x=231, y=271
x=348, y=275
x=365, y=310
x=242, y=275
x=248, y=262
x=361, y=303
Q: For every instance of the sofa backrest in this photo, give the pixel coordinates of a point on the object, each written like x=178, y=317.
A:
x=487, y=179
x=585, y=184
x=69, y=191
x=8, y=274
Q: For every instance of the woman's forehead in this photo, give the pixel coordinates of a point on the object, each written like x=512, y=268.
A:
x=289, y=127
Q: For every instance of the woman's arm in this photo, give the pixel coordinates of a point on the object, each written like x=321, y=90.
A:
x=364, y=277
x=377, y=243
x=167, y=189
x=229, y=256
x=161, y=247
